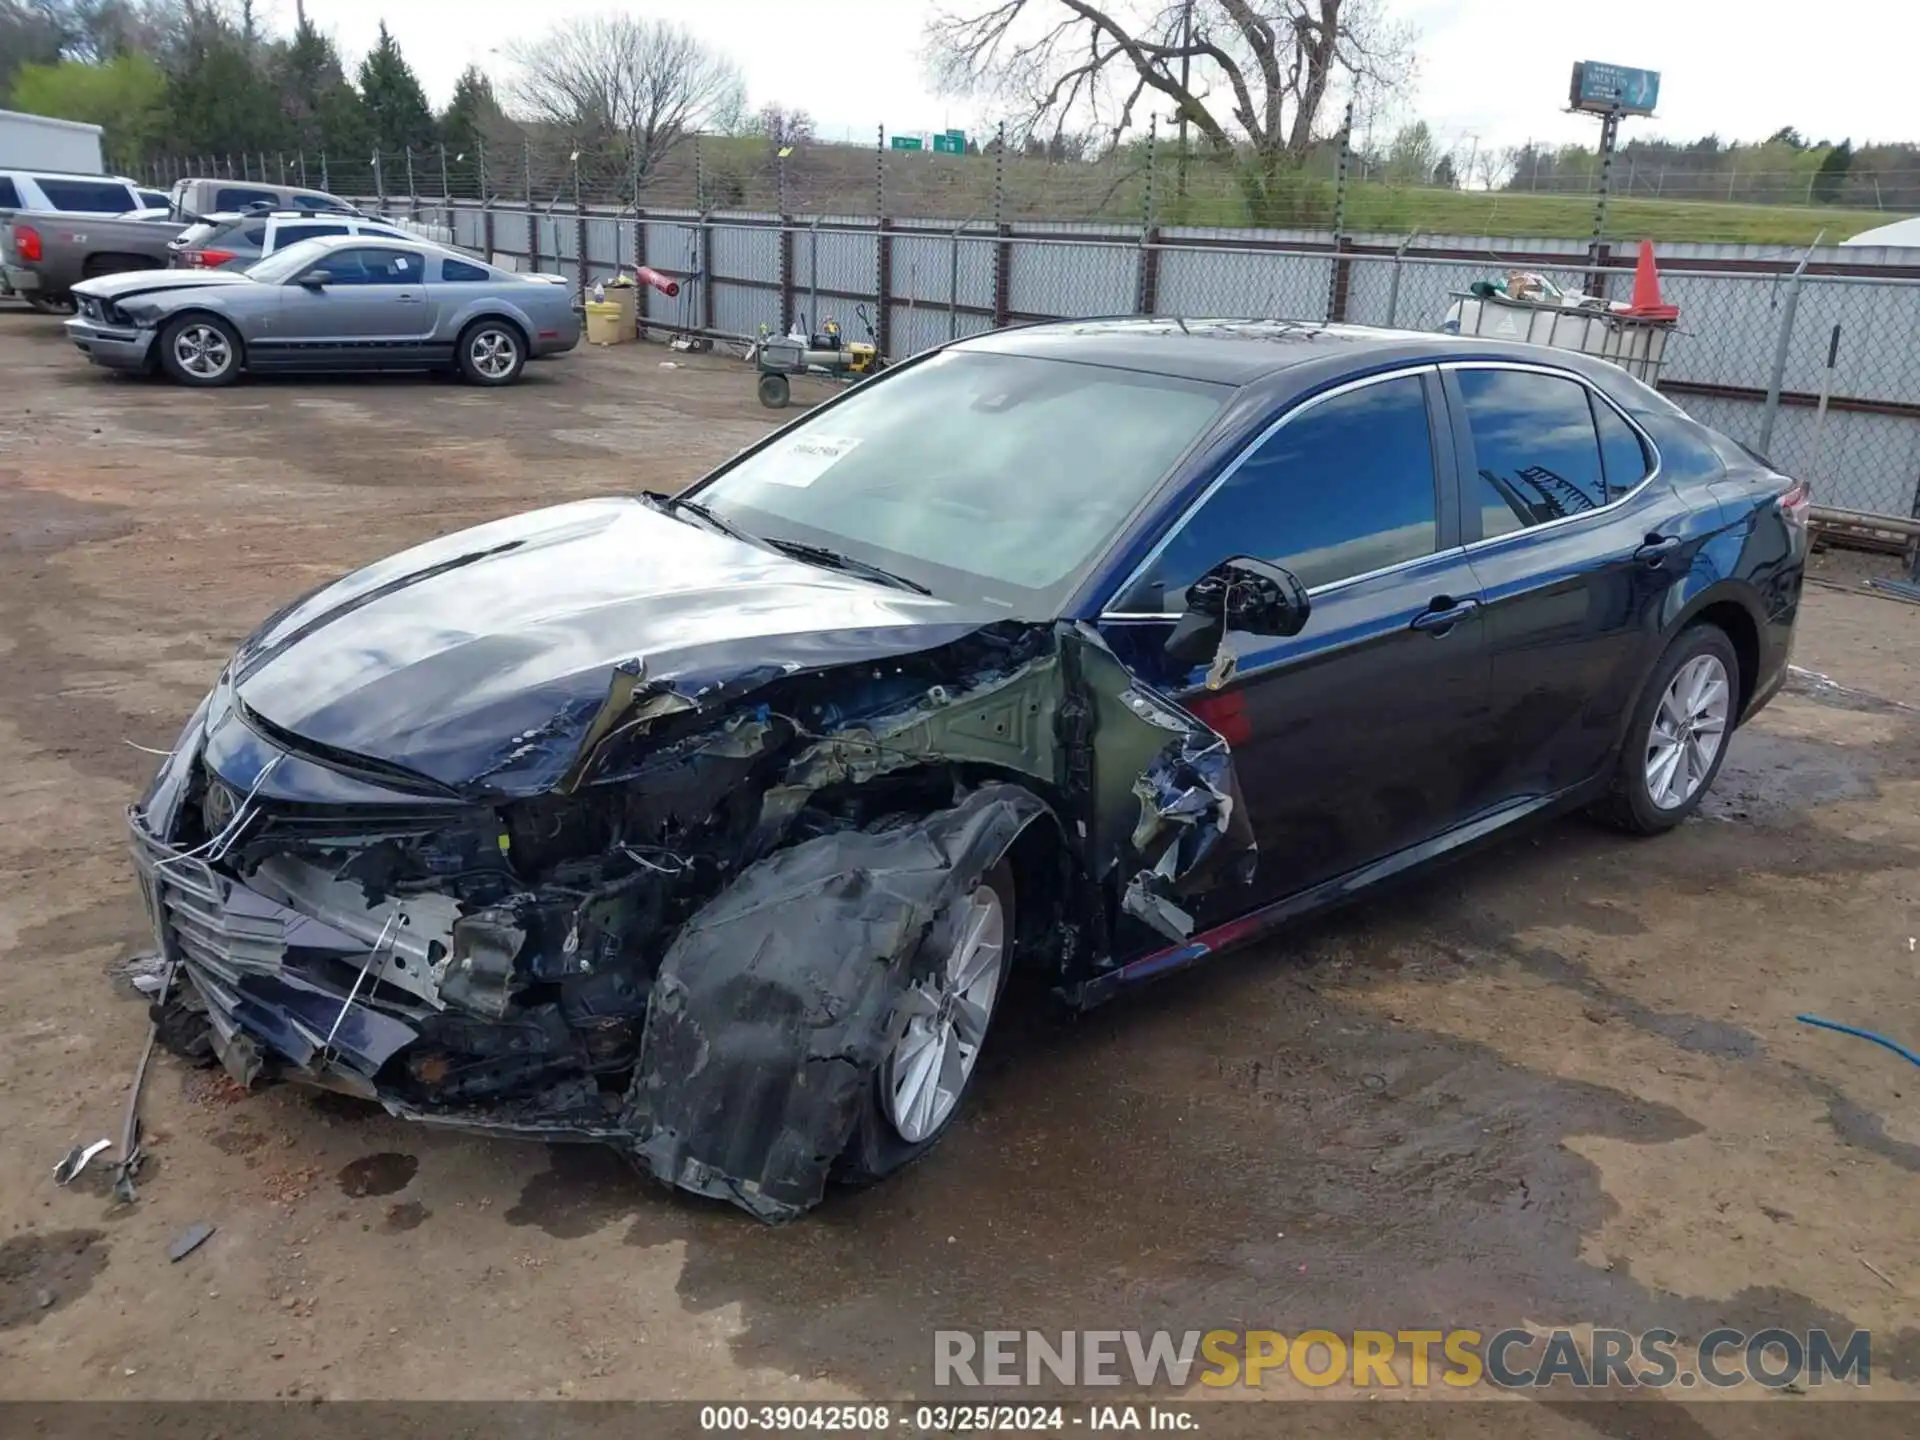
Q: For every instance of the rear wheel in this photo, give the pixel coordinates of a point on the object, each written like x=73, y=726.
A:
x=200, y=350
x=775, y=391
x=1678, y=737
x=949, y=1005
x=491, y=352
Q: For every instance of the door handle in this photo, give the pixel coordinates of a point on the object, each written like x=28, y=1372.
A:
x=406, y=299
x=1443, y=613
x=1654, y=553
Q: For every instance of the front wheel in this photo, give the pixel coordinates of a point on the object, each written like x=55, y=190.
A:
x=948, y=1006
x=491, y=352
x=1678, y=736
x=200, y=350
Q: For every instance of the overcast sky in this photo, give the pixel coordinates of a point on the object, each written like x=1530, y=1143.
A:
x=1494, y=71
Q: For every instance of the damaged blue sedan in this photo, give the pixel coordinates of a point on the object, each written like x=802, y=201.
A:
x=716, y=828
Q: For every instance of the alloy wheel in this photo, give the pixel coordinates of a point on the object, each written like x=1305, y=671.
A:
x=947, y=1021
x=1689, y=727
x=493, y=354
x=202, y=351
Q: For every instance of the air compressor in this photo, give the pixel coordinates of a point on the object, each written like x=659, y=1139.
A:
x=826, y=353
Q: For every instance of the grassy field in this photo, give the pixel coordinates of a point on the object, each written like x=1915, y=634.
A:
x=741, y=173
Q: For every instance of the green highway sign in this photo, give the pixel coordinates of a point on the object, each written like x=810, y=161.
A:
x=906, y=142
x=954, y=142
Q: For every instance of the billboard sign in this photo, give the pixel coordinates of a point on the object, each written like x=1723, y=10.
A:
x=1599, y=88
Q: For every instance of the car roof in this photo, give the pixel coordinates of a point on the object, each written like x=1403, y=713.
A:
x=41, y=172
x=1249, y=351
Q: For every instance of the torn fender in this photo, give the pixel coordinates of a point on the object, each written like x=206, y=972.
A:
x=776, y=1002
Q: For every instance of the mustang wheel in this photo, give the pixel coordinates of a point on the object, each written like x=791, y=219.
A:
x=491, y=352
x=1679, y=734
x=200, y=350
x=949, y=1003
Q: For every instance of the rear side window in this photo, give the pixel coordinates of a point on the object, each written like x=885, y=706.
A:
x=1344, y=489
x=1622, y=455
x=9, y=194
x=460, y=270
x=103, y=197
x=289, y=234
x=232, y=197
x=255, y=235
x=1534, y=448
x=153, y=200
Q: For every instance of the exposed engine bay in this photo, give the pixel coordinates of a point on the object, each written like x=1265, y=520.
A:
x=692, y=944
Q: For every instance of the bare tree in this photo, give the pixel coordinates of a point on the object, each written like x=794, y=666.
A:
x=1252, y=77
x=646, y=83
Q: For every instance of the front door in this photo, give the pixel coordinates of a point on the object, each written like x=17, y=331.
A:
x=371, y=310
x=1349, y=737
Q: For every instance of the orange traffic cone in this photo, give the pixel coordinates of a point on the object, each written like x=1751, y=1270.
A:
x=1646, y=304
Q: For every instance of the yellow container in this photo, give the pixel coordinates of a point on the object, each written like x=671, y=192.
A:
x=604, y=325
x=627, y=297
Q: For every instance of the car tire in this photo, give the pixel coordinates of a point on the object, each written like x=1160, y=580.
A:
x=491, y=352
x=200, y=350
x=1678, y=735
x=775, y=391
x=891, y=1131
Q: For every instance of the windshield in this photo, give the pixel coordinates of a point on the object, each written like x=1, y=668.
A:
x=983, y=477
x=284, y=264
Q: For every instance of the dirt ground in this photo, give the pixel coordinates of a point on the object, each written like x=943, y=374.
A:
x=1559, y=1083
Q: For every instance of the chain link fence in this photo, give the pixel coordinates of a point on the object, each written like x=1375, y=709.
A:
x=1809, y=355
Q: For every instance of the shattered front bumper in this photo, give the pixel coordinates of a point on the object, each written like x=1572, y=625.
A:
x=238, y=954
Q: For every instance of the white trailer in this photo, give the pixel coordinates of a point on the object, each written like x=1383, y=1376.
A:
x=40, y=142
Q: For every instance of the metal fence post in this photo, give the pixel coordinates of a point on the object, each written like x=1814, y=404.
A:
x=882, y=253
x=953, y=283
x=579, y=227
x=323, y=171
x=413, y=191
x=1781, y=346
x=1003, y=244
x=1393, y=281
x=486, y=200
x=1340, y=279
x=379, y=184
x=533, y=220
x=1146, y=281
x=446, y=186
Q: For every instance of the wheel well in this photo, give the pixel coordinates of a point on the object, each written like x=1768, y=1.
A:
x=1732, y=619
x=1039, y=861
x=526, y=344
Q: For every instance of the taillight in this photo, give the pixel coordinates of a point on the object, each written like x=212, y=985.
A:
x=1797, y=504
x=26, y=243
x=208, y=259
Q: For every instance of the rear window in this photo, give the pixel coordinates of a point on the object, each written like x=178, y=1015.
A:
x=9, y=194
x=317, y=202
x=460, y=270
x=292, y=234
x=384, y=233
x=231, y=197
x=101, y=196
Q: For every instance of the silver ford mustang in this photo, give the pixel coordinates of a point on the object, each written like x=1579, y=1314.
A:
x=339, y=303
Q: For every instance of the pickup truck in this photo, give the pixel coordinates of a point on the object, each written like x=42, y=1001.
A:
x=44, y=253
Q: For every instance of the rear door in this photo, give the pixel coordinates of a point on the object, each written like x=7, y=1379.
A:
x=1576, y=541
x=1350, y=738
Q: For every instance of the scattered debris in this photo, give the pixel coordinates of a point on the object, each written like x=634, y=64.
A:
x=77, y=1159
x=190, y=1240
x=1885, y=1279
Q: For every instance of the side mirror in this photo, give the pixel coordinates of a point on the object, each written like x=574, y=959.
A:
x=1238, y=594
x=314, y=279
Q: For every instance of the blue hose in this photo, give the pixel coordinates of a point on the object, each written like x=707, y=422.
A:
x=1894, y=1046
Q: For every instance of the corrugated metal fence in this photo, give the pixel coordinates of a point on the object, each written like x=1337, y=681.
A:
x=1750, y=356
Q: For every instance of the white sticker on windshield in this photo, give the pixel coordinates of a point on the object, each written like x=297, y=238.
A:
x=805, y=458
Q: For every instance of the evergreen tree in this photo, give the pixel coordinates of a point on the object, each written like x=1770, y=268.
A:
x=1832, y=173
x=221, y=102
x=324, y=112
x=473, y=115
x=396, y=106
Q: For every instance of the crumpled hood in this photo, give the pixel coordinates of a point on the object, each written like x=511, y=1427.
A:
x=481, y=659
x=141, y=282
